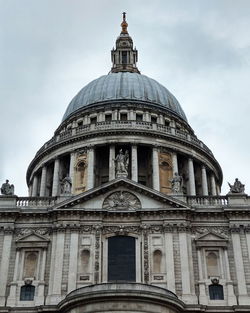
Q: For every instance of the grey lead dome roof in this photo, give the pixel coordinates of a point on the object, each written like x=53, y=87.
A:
x=124, y=86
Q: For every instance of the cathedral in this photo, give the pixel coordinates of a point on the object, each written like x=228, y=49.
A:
x=124, y=212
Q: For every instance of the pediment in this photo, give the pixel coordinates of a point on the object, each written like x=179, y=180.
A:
x=32, y=240
x=211, y=239
x=121, y=195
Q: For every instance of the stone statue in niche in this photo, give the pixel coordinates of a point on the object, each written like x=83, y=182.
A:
x=237, y=187
x=176, y=183
x=121, y=200
x=7, y=189
x=121, y=164
x=66, y=185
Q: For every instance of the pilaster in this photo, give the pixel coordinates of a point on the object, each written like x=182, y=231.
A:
x=134, y=174
x=72, y=276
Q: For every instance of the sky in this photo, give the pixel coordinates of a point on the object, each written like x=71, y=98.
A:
x=199, y=50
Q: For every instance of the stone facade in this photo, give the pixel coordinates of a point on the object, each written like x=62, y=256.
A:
x=125, y=243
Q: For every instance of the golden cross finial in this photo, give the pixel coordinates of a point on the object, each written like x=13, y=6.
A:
x=124, y=24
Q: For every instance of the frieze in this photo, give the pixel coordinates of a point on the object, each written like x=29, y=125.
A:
x=215, y=229
x=20, y=232
x=121, y=230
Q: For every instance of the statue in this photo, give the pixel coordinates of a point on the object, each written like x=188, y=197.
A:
x=7, y=189
x=121, y=164
x=176, y=183
x=66, y=185
x=237, y=187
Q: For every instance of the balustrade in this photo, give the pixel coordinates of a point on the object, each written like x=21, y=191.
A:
x=35, y=201
x=207, y=200
x=143, y=125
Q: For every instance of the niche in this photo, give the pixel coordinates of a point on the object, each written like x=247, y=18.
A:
x=80, y=176
x=157, y=261
x=166, y=172
x=85, y=261
x=30, y=264
x=212, y=264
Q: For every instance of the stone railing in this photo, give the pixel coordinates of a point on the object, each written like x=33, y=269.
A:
x=113, y=125
x=35, y=201
x=207, y=200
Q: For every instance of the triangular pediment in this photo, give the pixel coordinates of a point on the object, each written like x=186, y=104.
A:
x=211, y=239
x=121, y=194
x=32, y=240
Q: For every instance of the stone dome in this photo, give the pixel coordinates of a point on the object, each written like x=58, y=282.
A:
x=125, y=86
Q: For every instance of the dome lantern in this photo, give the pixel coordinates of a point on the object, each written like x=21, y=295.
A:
x=124, y=57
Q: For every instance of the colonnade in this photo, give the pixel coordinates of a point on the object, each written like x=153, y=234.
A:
x=208, y=181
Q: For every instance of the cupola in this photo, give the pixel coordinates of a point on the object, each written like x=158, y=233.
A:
x=124, y=57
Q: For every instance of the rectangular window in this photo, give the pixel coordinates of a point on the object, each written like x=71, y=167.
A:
x=139, y=117
x=124, y=57
x=153, y=119
x=93, y=120
x=108, y=118
x=121, y=258
x=123, y=116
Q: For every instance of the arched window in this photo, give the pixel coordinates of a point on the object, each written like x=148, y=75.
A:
x=212, y=264
x=216, y=292
x=157, y=260
x=30, y=264
x=27, y=293
x=85, y=256
x=121, y=258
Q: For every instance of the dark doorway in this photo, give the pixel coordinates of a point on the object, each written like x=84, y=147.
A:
x=121, y=259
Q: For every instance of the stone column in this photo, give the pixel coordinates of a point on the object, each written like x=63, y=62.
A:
x=90, y=169
x=111, y=162
x=175, y=162
x=192, y=190
x=43, y=181
x=72, y=169
x=134, y=165
x=4, y=265
x=188, y=295
x=55, y=185
x=12, y=300
x=156, y=177
x=231, y=299
x=56, y=277
x=39, y=300
x=240, y=273
x=213, y=185
x=170, y=261
x=72, y=277
x=204, y=181
x=34, y=186
x=202, y=285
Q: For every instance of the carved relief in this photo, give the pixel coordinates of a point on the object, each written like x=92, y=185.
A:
x=121, y=200
x=80, y=177
x=27, y=231
x=166, y=172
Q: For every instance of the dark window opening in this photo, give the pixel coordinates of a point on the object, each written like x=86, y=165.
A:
x=167, y=123
x=80, y=123
x=93, y=120
x=121, y=258
x=144, y=162
x=216, y=292
x=108, y=118
x=123, y=116
x=153, y=119
x=101, y=165
x=27, y=293
x=139, y=117
x=124, y=57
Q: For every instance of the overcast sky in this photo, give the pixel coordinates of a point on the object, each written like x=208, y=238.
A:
x=199, y=50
